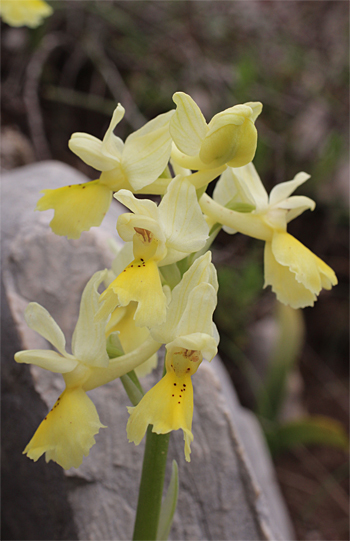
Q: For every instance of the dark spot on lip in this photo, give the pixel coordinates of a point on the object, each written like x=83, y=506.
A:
x=175, y=384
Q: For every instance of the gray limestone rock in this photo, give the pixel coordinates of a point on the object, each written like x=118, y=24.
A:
x=228, y=491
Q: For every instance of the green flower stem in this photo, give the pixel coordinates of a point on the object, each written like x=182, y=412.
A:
x=151, y=486
x=132, y=387
x=153, y=469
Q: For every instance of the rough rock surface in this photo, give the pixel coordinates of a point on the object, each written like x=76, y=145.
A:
x=228, y=491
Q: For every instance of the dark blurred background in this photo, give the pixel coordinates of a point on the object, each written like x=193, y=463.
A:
x=68, y=74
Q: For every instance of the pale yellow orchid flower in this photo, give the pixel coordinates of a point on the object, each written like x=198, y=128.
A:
x=229, y=138
x=294, y=272
x=161, y=235
x=67, y=432
x=190, y=335
x=135, y=165
x=24, y=12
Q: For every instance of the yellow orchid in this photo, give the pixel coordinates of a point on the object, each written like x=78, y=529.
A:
x=161, y=235
x=24, y=12
x=67, y=432
x=294, y=272
x=190, y=335
x=135, y=165
x=229, y=138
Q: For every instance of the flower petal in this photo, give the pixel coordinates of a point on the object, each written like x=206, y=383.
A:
x=240, y=185
x=50, y=360
x=112, y=146
x=167, y=406
x=202, y=270
x=121, y=365
x=89, y=340
x=89, y=149
x=24, y=12
x=67, y=433
x=147, y=151
x=204, y=343
x=182, y=220
x=77, y=207
x=284, y=284
x=188, y=126
x=198, y=315
x=248, y=176
x=284, y=189
x=39, y=319
x=146, y=207
x=294, y=272
x=296, y=205
x=231, y=186
x=123, y=259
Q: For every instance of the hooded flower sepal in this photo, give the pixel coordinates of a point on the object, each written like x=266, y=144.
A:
x=229, y=138
x=295, y=274
x=67, y=432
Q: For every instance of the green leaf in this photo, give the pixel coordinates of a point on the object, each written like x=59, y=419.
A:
x=316, y=429
x=169, y=505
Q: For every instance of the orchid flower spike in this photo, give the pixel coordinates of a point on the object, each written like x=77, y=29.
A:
x=135, y=165
x=229, y=138
x=241, y=204
x=190, y=335
x=161, y=235
x=24, y=12
x=67, y=432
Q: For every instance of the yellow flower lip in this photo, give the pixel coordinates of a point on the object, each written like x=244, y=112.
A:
x=67, y=433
